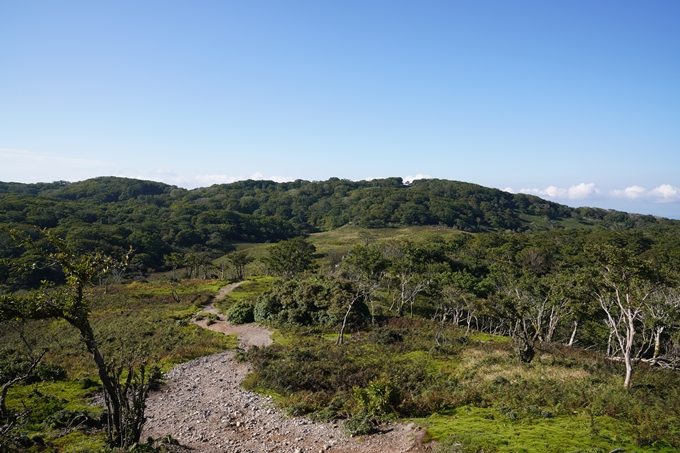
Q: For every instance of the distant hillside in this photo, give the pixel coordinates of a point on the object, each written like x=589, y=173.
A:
x=112, y=213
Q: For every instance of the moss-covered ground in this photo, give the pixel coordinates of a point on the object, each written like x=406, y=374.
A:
x=139, y=318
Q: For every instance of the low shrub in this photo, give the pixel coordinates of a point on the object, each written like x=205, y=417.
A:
x=385, y=335
x=360, y=424
x=241, y=313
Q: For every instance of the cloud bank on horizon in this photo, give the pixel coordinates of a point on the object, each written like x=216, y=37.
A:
x=665, y=193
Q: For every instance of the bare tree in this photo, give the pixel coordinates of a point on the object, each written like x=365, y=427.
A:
x=662, y=311
x=623, y=285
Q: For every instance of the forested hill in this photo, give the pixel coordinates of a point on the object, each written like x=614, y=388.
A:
x=112, y=213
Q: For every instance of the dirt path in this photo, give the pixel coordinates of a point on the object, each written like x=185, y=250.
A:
x=248, y=334
x=204, y=407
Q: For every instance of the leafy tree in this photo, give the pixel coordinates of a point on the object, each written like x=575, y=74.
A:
x=240, y=260
x=366, y=265
x=455, y=299
x=174, y=260
x=409, y=271
x=317, y=300
x=291, y=257
x=125, y=400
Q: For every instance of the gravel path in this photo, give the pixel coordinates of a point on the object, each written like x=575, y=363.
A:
x=203, y=406
x=248, y=334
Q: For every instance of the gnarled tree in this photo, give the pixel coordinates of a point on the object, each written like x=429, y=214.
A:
x=125, y=400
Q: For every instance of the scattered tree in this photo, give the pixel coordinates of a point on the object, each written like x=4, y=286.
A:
x=239, y=260
x=291, y=257
x=623, y=285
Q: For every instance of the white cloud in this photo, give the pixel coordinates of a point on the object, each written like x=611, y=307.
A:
x=582, y=191
x=577, y=192
x=409, y=179
x=632, y=193
x=665, y=193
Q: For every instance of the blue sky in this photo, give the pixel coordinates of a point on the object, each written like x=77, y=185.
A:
x=575, y=101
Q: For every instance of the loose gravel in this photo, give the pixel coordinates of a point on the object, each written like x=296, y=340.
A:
x=205, y=409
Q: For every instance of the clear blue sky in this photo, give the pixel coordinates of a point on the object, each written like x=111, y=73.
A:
x=577, y=101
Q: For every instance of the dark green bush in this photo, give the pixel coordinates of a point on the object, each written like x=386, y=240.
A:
x=318, y=300
x=240, y=313
x=360, y=424
x=65, y=418
x=50, y=372
x=385, y=335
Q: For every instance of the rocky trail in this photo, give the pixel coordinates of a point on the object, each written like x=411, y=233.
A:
x=205, y=409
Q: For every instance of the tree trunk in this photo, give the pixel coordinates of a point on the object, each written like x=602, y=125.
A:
x=657, y=341
x=573, y=334
x=628, y=349
x=341, y=334
x=629, y=370
x=112, y=400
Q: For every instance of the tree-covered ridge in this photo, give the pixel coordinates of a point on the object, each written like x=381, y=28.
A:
x=111, y=214
x=324, y=205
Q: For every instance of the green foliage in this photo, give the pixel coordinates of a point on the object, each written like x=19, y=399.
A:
x=211, y=318
x=111, y=214
x=567, y=398
x=247, y=291
x=143, y=314
x=380, y=397
x=385, y=336
x=291, y=257
x=241, y=313
x=316, y=300
x=360, y=424
x=239, y=260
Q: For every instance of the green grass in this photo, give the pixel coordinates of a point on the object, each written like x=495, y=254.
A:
x=71, y=392
x=349, y=235
x=247, y=291
x=493, y=430
x=77, y=442
x=482, y=336
x=162, y=287
x=280, y=339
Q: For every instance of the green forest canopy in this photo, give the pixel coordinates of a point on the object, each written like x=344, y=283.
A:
x=111, y=214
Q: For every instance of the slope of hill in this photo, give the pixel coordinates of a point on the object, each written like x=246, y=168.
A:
x=111, y=213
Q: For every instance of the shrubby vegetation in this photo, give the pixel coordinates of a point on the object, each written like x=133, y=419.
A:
x=312, y=301
x=523, y=312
